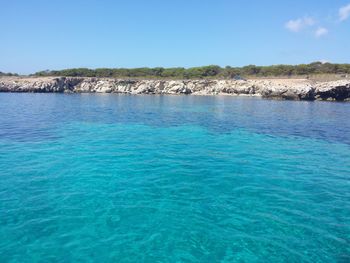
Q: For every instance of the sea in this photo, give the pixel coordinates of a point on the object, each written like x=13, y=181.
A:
x=148, y=178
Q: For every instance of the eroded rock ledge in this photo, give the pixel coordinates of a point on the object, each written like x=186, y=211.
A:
x=292, y=89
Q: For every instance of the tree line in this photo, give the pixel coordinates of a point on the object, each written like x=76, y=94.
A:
x=211, y=71
x=7, y=74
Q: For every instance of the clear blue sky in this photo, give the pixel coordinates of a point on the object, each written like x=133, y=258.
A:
x=38, y=35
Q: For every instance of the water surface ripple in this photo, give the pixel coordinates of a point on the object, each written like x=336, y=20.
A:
x=115, y=178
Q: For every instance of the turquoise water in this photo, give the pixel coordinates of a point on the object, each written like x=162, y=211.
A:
x=113, y=178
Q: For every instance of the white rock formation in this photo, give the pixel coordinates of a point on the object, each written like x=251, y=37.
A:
x=295, y=89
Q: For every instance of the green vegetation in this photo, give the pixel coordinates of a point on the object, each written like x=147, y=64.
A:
x=205, y=72
x=7, y=74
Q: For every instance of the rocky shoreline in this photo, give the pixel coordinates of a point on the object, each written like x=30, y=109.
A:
x=289, y=89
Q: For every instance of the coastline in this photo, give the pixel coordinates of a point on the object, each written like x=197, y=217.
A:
x=286, y=89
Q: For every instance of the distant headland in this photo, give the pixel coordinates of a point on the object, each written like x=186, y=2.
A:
x=315, y=81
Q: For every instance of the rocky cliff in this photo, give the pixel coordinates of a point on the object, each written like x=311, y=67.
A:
x=294, y=89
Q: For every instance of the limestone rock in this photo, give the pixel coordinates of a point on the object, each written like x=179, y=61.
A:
x=289, y=89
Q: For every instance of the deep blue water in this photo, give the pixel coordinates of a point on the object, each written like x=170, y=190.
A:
x=115, y=178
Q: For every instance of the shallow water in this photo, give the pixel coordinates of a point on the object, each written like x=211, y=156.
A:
x=115, y=178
